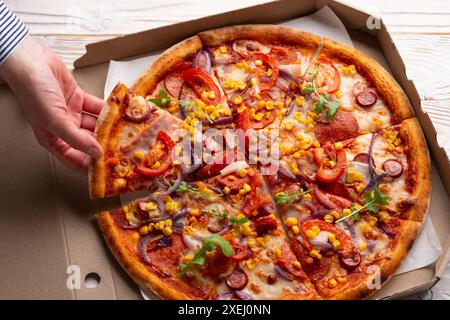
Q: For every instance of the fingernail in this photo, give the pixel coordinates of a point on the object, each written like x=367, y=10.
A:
x=94, y=152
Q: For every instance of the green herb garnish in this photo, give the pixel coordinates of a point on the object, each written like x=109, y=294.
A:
x=224, y=215
x=372, y=205
x=283, y=198
x=209, y=244
x=184, y=187
x=324, y=99
x=165, y=99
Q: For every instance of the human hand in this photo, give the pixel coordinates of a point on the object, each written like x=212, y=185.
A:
x=61, y=114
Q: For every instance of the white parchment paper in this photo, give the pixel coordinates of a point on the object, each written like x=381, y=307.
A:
x=426, y=248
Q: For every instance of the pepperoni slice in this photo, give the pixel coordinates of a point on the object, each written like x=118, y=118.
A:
x=265, y=224
x=237, y=280
x=343, y=126
x=366, y=98
x=174, y=80
x=393, y=167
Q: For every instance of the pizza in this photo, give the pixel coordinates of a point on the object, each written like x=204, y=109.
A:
x=275, y=164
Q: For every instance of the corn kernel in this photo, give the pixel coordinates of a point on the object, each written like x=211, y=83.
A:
x=346, y=212
x=186, y=259
x=339, y=94
x=171, y=207
x=291, y=221
x=119, y=184
x=251, y=242
x=339, y=145
x=316, y=144
x=242, y=172
x=336, y=244
x=168, y=222
x=150, y=206
x=383, y=216
x=372, y=220
x=259, y=116
x=278, y=253
x=362, y=246
x=237, y=100
x=223, y=49
x=139, y=155
x=331, y=164
x=258, y=63
x=295, y=229
x=331, y=237
x=335, y=214
x=167, y=231
x=315, y=254
x=252, y=81
x=365, y=227
x=300, y=101
x=143, y=230
x=226, y=190
x=288, y=125
x=328, y=218
x=156, y=165
x=309, y=260
x=297, y=265
x=332, y=283
x=341, y=280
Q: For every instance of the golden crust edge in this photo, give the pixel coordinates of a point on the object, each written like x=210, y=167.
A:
x=165, y=61
x=387, y=87
x=105, y=121
x=145, y=279
x=418, y=155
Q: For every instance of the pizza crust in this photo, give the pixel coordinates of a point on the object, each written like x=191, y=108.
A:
x=418, y=166
x=108, y=116
x=388, y=89
x=169, y=58
x=148, y=281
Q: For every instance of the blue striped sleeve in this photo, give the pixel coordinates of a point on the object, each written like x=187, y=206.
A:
x=12, y=31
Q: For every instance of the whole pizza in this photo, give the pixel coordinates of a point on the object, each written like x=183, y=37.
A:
x=277, y=165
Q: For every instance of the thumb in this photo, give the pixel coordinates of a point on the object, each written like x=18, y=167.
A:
x=77, y=138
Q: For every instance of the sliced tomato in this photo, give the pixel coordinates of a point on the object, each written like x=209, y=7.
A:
x=214, y=168
x=326, y=173
x=257, y=198
x=240, y=251
x=161, y=151
x=283, y=55
x=266, y=82
x=174, y=78
x=328, y=79
x=201, y=82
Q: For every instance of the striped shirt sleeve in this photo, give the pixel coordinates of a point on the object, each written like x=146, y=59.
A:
x=12, y=31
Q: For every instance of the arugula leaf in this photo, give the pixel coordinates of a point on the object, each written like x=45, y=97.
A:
x=307, y=89
x=231, y=220
x=333, y=107
x=209, y=244
x=283, y=198
x=184, y=187
x=371, y=204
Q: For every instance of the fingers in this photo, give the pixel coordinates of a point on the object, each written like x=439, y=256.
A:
x=74, y=159
x=92, y=104
x=88, y=122
x=76, y=137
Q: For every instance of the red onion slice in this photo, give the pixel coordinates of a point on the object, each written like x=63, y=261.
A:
x=172, y=186
x=241, y=295
x=228, y=295
x=143, y=246
x=138, y=111
x=283, y=274
x=196, y=63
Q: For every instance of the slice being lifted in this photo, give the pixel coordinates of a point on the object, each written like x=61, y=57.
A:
x=141, y=142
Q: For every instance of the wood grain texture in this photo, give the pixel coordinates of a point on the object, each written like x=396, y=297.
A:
x=420, y=29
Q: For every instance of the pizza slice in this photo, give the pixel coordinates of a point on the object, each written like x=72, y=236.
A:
x=143, y=145
x=182, y=81
x=345, y=172
x=196, y=243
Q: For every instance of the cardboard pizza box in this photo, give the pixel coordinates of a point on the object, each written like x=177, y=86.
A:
x=50, y=245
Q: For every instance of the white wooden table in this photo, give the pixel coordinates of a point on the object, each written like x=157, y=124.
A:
x=420, y=29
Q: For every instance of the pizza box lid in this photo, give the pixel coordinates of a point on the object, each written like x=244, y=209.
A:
x=50, y=245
